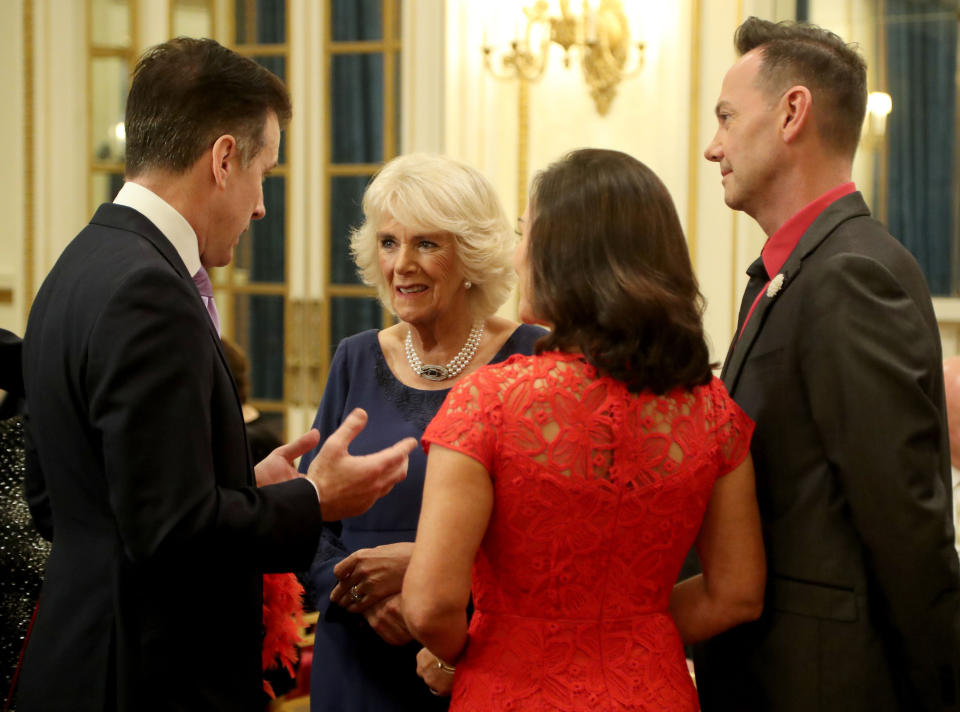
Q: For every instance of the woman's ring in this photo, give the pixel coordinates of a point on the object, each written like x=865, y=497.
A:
x=355, y=592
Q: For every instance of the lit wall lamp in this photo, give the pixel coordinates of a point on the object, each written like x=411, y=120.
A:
x=879, y=106
x=600, y=34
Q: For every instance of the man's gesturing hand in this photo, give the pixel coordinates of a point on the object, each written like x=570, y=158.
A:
x=278, y=465
x=348, y=484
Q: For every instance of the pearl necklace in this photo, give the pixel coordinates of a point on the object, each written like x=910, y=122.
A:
x=434, y=372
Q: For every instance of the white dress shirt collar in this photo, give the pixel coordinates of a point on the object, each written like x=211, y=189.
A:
x=166, y=219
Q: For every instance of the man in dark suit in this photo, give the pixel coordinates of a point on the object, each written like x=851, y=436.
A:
x=140, y=469
x=837, y=359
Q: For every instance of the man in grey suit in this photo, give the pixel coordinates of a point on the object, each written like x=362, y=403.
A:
x=139, y=467
x=837, y=359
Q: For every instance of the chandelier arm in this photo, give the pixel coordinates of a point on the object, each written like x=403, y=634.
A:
x=639, y=52
x=600, y=35
x=488, y=65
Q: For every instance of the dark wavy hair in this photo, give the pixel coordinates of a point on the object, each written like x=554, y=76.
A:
x=609, y=269
x=188, y=92
x=834, y=72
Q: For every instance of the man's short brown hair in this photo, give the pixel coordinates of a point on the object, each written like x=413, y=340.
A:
x=834, y=72
x=188, y=92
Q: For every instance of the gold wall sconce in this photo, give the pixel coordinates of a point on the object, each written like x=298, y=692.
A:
x=600, y=34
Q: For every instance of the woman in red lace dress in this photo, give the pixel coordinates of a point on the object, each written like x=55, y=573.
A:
x=569, y=486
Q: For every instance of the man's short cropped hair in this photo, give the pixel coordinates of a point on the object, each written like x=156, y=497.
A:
x=188, y=92
x=834, y=72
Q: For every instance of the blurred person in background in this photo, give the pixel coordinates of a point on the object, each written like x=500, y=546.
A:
x=23, y=552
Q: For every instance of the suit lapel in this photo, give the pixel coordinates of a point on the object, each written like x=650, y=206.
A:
x=838, y=212
x=741, y=347
x=757, y=273
x=126, y=218
x=727, y=359
x=123, y=218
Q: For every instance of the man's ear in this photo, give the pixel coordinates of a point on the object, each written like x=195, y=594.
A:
x=797, y=111
x=222, y=158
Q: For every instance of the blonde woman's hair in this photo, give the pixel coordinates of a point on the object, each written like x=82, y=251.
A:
x=433, y=193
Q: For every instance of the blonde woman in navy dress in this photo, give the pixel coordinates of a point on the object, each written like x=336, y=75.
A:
x=436, y=244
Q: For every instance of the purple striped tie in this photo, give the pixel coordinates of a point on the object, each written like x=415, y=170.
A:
x=202, y=280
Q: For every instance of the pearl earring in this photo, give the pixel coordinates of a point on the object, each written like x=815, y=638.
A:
x=467, y=284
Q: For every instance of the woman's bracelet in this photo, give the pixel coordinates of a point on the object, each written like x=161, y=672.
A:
x=450, y=669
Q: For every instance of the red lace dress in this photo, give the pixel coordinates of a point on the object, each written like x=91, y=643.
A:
x=598, y=496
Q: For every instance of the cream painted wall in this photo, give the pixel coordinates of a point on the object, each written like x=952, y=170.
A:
x=854, y=20
x=727, y=241
x=60, y=131
x=57, y=47
x=12, y=205
x=724, y=241
x=422, y=81
x=480, y=113
x=650, y=118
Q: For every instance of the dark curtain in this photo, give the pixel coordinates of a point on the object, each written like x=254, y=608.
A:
x=271, y=21
x=356, y=125
x=357, y=84
x=268, y=17
x=263, y=314
x=266, y=346
x=356, y=118
x=354, y=20
x=268, y=234
x=357, y=108
x=921, y=129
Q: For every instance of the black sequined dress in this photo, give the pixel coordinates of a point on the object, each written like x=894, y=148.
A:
x=23, y=552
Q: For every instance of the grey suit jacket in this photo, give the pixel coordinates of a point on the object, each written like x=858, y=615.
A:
x=841, y=370
x=140, y=471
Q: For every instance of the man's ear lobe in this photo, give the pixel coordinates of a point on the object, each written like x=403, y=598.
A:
x=222, y=154
x=797, y=104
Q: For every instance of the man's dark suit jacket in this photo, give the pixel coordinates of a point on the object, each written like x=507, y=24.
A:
x=841, y=370
x=140, y=471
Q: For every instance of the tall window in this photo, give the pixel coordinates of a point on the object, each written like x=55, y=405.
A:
x=112, y=50
x=192, y=18
x=910, y=158
x=111, y=54
x=923, y=181
x=362, y=60
x=253, y=288
x=288, y=338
